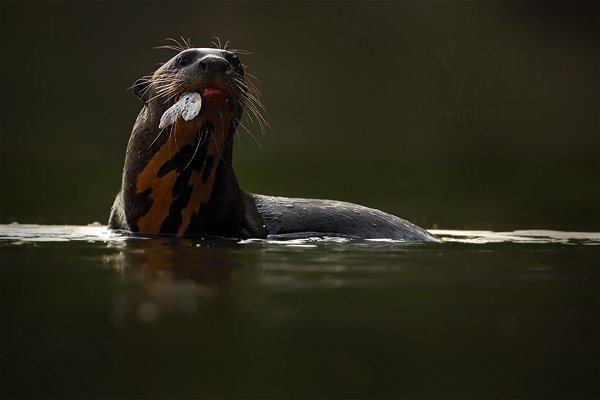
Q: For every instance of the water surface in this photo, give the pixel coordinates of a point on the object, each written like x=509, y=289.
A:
x=88, y=313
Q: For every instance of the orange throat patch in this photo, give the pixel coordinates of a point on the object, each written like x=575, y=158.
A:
x=180, y=176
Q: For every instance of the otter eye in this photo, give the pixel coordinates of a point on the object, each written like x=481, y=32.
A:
x=182, y=61
x=235, y=63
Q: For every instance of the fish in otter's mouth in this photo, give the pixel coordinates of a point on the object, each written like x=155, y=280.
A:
x=187, y=106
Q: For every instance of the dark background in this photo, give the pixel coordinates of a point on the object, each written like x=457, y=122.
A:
x=353, y=90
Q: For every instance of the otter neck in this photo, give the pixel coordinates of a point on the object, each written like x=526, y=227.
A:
x=189, y=183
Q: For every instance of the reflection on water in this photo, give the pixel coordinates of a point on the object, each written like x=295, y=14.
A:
x=90, y=313
x=175, y=277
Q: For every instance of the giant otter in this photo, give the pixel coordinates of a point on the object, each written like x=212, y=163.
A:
x=178, y=179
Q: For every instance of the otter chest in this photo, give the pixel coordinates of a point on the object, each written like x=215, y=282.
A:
x=177, y=181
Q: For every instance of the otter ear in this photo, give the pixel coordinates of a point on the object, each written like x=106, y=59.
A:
x=140, y=89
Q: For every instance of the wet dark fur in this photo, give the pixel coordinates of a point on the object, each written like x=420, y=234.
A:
x=228, y=211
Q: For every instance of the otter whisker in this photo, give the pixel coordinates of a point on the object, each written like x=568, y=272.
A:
x=157, y=96
x=249, y=83
x=149, y=86
x=170, y=83
x=245, y=94
x=166, y=78
x=169, y=93
x=218, y=44
x=154, y=98
x=163, y=77
x=157, y=136
x=250, y=92
x=260, y=119
x=164, y=89
x=250, y=133
x=221, y=125
x=134, y=85
x=261, y=125
x=164, y=81
x=247, y=115
x=165, y=84
x=179, y=47
x=252, y=76
x=171, y=96
x=253, y=110
x=256, y=98
x=169, y=47
x=255, y=101
x=167, y=89
x=217, y=146
x=239, y=142
x=145, y=90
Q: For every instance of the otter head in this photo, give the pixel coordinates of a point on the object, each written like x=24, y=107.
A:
x=179, y=179
x=216, y=75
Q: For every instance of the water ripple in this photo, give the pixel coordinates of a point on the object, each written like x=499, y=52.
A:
x=19, y=233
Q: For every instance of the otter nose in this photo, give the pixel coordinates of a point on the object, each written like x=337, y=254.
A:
x=213, y=64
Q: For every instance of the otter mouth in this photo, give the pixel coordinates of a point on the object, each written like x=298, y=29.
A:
x=207, y=93
x=187, y=105
x=211, y=92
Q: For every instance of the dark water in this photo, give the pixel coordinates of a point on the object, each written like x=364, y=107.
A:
x=89, y=314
